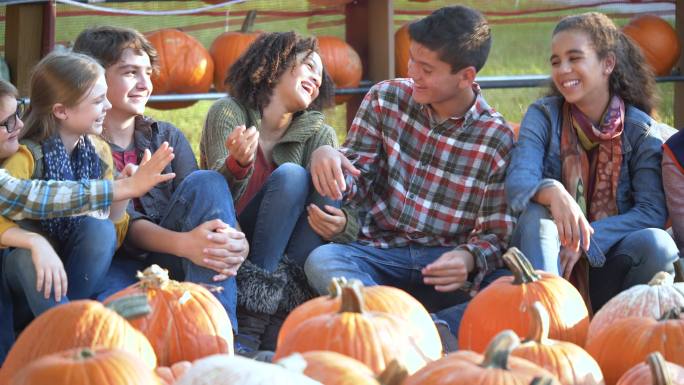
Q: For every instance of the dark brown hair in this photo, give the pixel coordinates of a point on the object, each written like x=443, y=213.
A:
x=632, y=79
x=106, y=44
x=8, y=89
x=252, y=78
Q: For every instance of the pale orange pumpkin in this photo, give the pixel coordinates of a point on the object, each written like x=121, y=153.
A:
x=77, y=324
x=83, y=366
x=657, y=40
x=185, y=66
x=374, y=338
x=650, y=300
x=495, y=367
x=655, y=371
x=342, y=63
x=629, y=340
x=571, y=364
x=505, y=304
x=402, y=39
x=186, y=322
x=375, y=298
x=229, y=46
x=170, y=374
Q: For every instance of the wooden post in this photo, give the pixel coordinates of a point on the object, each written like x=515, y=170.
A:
x=679, y=86
x=24, y=26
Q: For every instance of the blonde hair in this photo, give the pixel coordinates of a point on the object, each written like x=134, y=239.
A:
x=64, y=78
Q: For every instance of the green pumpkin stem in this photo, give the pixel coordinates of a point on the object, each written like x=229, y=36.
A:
x=672, y=314
x=84, y=354
x=394, y=374
x=661, y=278
x=352, y=299
x=658, y=366
x=542, y=381
x=153, y=277
x=523, y=272
x=131, y=307
x=498, y=351
x=539, y=329
x=248, y=23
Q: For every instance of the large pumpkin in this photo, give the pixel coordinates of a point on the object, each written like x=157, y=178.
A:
x=185, y=66
x=505, y=304
x=77, y=324
x=655, y=371
x=375, y=298
x=495, y=367
x=83, y=366
x=373, y=338
x=187, y=322
x=402, y=39
x=229, y=46
x=571, y=364
x=651, y=300
x=628, y=341
x=658, y=41
x=342, y=63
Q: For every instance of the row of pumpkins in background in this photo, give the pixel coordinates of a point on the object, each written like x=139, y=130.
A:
x=187, y=67
x=362, y=336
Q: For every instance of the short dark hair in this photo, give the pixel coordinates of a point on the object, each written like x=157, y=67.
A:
x=460, y=35
x=107, y=43
x=254, y=75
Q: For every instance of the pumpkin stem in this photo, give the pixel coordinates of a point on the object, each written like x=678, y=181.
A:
x=335, y=286
x=672, y=314
x=542, y=381
x=498, y=351
x=130, y=307
x=394, y=374
x=153, y=277
x=352, y=299
x=539, y=330
x=248, y=23
x=661, y=278
x=520, y=266
x=84, y=354
x=658, y=366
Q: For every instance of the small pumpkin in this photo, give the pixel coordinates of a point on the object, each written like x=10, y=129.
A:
x=629, y=340
x=229, y=46
x=497, y=366
x=657, y=40
x=505, y=304
x=83, y=366
x=402, y=40
x=342, y=63
x=373, y=338
x=379, y=298
x=650, y=300
x=571, y=364
x=170, y=374
x=186, y=321
x=82, y=323
x=655, y=371
x=185, y=66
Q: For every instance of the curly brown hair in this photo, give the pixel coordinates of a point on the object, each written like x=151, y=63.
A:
x=632, y=79
x=252, y=78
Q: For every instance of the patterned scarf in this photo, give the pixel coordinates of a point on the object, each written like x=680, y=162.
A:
x=83, y=164
x=593, y=181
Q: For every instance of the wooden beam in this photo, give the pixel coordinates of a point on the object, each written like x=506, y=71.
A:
x=679, y=86
x=23, y=41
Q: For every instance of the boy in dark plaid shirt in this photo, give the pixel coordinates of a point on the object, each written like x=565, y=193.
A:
x=425, y=160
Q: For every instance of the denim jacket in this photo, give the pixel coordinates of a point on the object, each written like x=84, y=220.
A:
x=536, y=164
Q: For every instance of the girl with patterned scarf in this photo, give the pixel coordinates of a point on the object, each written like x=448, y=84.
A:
x=60, y=142
x=585, y=173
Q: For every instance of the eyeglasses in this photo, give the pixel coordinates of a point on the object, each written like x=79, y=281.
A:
x=10, y=123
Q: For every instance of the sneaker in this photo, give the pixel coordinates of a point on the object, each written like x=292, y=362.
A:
x=257, y=355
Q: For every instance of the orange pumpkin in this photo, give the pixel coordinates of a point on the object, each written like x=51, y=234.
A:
x=571, y=364
x=628, y=341
x=506, y=302
x=650, y=300
x=373, y=338
x=170, y=374
x=657, y=40
x=516, y=129
x=375, y=298
x=76, y=324
x=467, y=367
x=185, y=66
x=229, y=46
x=330, y=368
x=187, y=322
x=342, y=63
x=83, y=366
x=655, y=371
x=402, y=39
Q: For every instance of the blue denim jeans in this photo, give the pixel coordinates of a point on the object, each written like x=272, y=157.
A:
x=632, y=261
x=275, y=221
x=86, y=255
x=202, y=196
x=6, y=313
x=399, y=267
